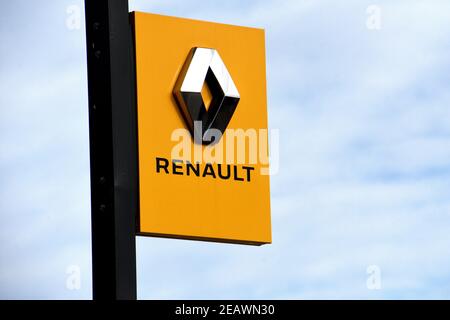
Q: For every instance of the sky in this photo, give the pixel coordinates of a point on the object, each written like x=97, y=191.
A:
x=360, y=205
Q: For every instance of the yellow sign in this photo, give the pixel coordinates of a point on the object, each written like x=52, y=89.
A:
x=202, y=130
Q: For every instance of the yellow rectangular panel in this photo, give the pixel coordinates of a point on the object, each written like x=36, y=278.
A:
x=214, y=200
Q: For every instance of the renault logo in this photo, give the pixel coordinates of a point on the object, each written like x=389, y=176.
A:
x=205, y=77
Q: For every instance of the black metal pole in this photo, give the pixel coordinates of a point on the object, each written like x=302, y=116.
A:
x=113, y=148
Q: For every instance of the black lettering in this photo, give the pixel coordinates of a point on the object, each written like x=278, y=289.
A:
x=236, y=177
x=196, y=169
x=160, y=166
x=179, y=167
x=220, y=172
x=176, y=167
x=248, y=169
x=209, y=171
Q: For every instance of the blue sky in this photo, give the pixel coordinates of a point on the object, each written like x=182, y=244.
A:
x=364, y=124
